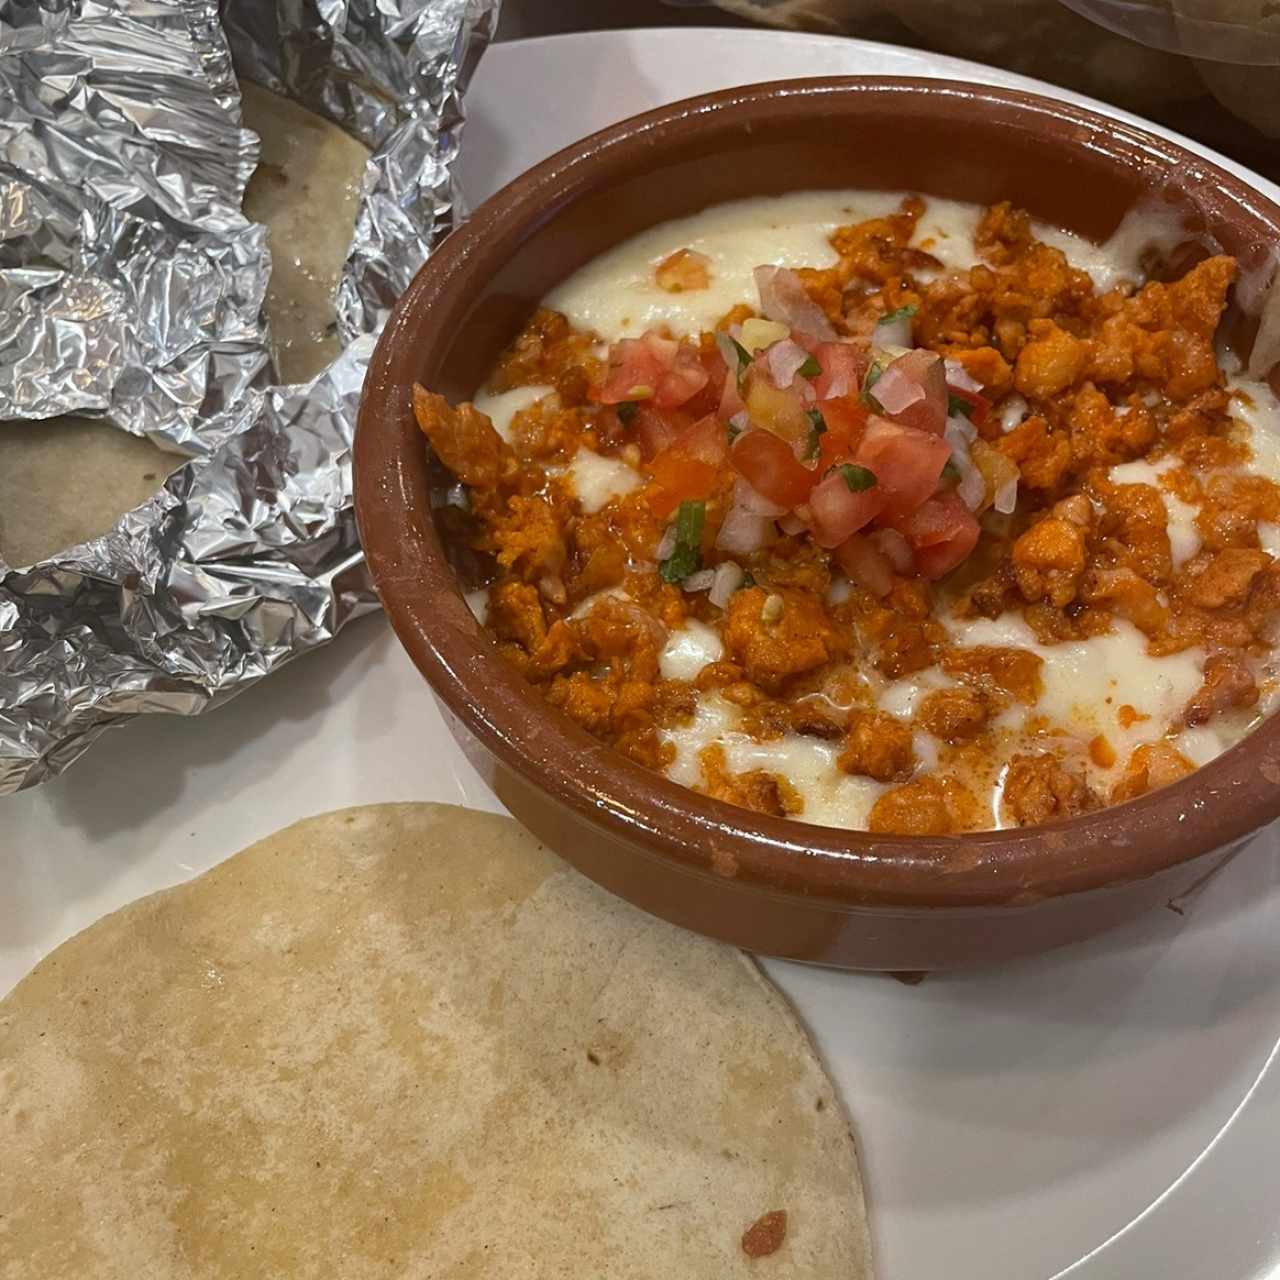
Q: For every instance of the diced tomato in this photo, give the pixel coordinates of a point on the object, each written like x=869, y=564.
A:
x=769, y=466
x=913, y=391
x=895, y=547
x=654, y=431
x=846, y=413
x=846, y=419
x=779, y=410
x=979, y=405
x=731, y=402
x=713, y=363
x=933, y=522
x=705, y=441
x=677, y=479
x=942, y=533
x=652, y=368
x=836, y=511
x=708, y=399
x=907, y=462
x=937, y=561
x=636, y=366
x=866, y=564
x=688, y=469
x=843, y=367
x=682, y=381
x=833, y=446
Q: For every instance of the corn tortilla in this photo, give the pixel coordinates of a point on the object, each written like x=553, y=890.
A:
x=68, y=480
x=405, y=1040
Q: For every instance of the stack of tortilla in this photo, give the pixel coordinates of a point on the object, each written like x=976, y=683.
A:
x=65, y=481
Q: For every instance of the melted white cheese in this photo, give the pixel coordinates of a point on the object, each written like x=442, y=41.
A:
x=831, y=797
x=609, y=593
x=617, y=296
x=903, y=697
x=1184, y=537
x=478, y=603
x=502, y=406
x=946, y=230
x=1086, y=682
x=688, y=650
x=1201, y=744
x=1257, y=411
x=1147, y=226
x=597, y=480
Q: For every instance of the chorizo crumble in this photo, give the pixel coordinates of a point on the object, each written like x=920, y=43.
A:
x=840, y=482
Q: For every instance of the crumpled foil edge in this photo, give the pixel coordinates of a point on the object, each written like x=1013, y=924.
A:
x=248, y=555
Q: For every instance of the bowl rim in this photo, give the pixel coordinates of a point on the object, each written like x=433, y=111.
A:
x=1219, y=804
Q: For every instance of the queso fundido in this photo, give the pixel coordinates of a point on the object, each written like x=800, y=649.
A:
x=880, y=513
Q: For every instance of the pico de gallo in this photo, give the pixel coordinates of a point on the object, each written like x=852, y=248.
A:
x=835, y=557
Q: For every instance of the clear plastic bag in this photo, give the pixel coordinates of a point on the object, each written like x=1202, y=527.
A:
x=1210, y=68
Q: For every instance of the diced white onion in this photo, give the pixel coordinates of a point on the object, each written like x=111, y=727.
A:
x=960, y=429
x=972, y=487
x=792, y=524
x=728, y=352
x=784, y=359
x=839, y=386
x=700, y=581
x=743, y=531
x=740, y=421
x=959, y=376
x=1012, y=411
x=959, y=434
x=784, y=299
x=1006, y=496
x=667, y=545
x=839, y=591
x=728, y=578
x=896, y=390
x=892, y=333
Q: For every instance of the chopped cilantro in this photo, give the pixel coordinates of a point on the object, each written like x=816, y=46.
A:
x=810, y=369
x=859, y=479
x=748, y=580
x=817, y=429
x=873, y=376
x=732, y=432
x=958, y=404
x=902, y=313
x=687, y=556
x=626, y=411
x=744, y=358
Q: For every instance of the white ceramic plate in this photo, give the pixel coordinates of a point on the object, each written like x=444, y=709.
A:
x=1110, y=1111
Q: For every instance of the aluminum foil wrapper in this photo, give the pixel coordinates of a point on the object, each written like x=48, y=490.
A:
x=131, y=287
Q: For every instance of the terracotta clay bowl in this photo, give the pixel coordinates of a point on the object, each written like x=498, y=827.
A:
x=772, y=885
